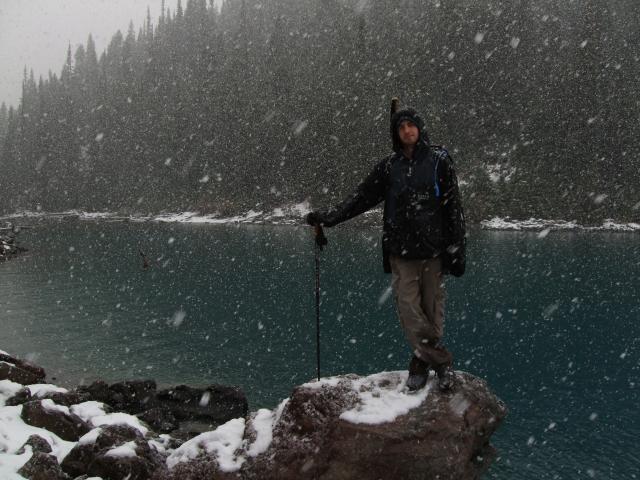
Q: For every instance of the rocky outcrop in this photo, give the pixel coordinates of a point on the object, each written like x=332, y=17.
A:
x=339, y=428
x=350, y=428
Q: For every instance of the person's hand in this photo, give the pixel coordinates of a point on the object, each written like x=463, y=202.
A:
x=314, y=218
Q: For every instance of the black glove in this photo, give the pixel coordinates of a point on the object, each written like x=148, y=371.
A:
x=315, y=218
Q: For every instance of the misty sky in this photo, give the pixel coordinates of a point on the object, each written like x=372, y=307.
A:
x=36, y=33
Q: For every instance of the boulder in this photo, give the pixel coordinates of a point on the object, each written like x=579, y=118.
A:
x=202, y=409
x=446, y=436
x=350, y=427
x=59, y=420
x=37, y=372
x=160, y=419
x=132, y=396
x=80, y=457
x=98, y=391
x=19, y=373
x=117, y=452
x=42, y=466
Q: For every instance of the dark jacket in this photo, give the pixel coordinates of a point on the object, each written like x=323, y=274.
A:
x=423, y=215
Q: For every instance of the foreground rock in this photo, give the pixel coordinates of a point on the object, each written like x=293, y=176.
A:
x=355, y=428
x=339, y=428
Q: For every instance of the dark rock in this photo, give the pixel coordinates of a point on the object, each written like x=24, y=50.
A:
x=23, y=396
x=160, y=420
x=77, y=461
x=211, y=406
x=97, y=391
x=93, y=458
x=446, y=437
x=37, y=372
x=142, y=466
x=133, y=396
x=66, y=425
x=300, y=448
x=67, y=399
x=42, y=466
x=37, y=444
x=183, y=411
x=19, y=374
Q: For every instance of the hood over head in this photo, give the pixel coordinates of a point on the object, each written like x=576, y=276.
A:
x=412, y=116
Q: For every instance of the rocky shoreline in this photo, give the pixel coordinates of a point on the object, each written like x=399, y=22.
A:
x=346, y=427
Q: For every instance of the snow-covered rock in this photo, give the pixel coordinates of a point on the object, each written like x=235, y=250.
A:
x=340, y=427
x=349, y=426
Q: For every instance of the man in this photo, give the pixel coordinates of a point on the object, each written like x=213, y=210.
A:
x=423, y=238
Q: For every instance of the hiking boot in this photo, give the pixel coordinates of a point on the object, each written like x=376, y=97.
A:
x=417, y=381
x=446, y=378
x=418, y=366
x=418, y=374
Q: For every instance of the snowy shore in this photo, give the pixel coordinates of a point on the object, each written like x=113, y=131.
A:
x=54, y=433
x=294, y=215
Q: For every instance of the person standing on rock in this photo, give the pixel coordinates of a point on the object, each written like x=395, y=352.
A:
x=423, y=237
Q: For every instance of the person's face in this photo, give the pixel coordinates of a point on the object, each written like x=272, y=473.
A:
x=408, y=133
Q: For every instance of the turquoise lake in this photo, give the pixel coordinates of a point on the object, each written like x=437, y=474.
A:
x=552, y=323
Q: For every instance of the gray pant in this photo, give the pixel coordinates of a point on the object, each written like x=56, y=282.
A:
x=419, y=293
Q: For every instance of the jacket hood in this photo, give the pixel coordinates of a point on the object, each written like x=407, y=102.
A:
x=411, y=115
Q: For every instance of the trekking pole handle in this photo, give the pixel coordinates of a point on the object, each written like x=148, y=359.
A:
x=321, y=240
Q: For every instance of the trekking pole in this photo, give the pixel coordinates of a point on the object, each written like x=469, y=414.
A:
x=321, y=241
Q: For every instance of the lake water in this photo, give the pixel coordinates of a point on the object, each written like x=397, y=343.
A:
x=552, y=323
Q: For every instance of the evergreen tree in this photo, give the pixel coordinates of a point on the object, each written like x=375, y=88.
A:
x=260, y=104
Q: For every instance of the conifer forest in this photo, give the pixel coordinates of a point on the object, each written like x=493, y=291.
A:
x=263, y=103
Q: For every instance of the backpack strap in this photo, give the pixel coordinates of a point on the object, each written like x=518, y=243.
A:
x=439, y=154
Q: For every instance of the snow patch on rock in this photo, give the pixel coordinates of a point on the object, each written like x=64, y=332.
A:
x=88, y=410
x=382, y=397
x=263, y=425
x=222, y=443
x=39, y=390
x=14, y=432
x=119, y=418
x=90, y=437
x=50, y=406
x=7, y=390
x=123, y=451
